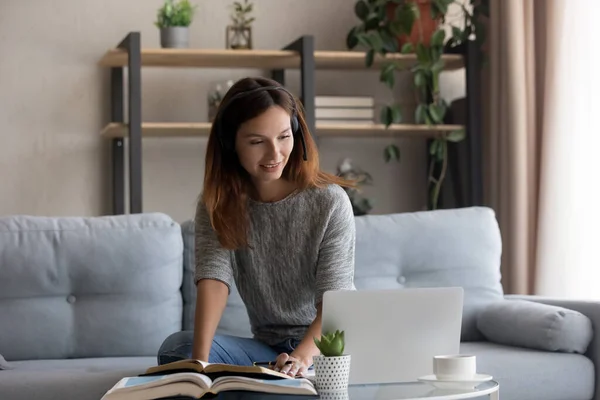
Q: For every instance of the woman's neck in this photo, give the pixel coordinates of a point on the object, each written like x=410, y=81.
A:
x=268, y=192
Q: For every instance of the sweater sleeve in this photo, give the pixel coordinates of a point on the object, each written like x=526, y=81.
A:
x=212, y=260
x=335, y=265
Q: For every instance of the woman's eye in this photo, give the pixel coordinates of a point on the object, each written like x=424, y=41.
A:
x=285, y=136
x=255, y=142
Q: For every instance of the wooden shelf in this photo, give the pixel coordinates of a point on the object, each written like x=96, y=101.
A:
x=198, y=129
x=262, y=59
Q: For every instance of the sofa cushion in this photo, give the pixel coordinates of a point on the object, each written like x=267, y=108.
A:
x=528, y=374
x=235, y=319
x=456, y=247
x=3, y=363
x=536, y=325
x=81, y=379
x=88, y=287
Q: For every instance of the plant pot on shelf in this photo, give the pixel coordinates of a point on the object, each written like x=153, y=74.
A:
x=239, y=37
x=332, y=373
x=425, y=23
x=175, y=37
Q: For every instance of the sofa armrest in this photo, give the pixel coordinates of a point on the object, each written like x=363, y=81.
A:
x=590, y=309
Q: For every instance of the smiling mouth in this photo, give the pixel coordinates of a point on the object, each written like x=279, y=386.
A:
x=270, y=166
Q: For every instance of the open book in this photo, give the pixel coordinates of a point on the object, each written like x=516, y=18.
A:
x=195, y=379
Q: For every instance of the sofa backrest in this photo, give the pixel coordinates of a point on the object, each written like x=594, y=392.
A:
x=88, y=287
x=454, y=247
x=457, y=247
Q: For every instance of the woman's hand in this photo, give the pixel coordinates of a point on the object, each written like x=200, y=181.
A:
x=297, y=367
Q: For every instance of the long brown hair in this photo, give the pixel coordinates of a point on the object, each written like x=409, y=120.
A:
x=227, y=185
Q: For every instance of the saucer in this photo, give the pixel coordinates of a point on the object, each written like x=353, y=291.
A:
x=455, y=384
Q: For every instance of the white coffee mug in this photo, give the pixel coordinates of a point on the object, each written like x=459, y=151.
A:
x=454, y=367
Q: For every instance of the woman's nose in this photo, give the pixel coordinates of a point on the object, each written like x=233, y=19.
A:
x=273, y=148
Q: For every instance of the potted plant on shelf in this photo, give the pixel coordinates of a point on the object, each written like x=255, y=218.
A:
x=417, y=27
x=173, y=19
x=360, y=205
x=332, y=366
x=239, y=35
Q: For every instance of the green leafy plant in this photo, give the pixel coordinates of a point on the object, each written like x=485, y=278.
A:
x=173, y=13
x=239, y=17
x=384, y=28
x=331, y=344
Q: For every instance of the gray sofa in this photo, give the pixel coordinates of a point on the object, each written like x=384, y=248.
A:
x=85, y=301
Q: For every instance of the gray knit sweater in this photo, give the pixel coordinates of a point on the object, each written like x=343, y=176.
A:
x=302, y=246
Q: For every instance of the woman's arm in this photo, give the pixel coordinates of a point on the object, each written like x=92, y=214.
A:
x=211, y=298
x=304, y=352
x=213, y=278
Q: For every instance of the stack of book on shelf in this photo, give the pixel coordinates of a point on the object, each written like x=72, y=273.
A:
x=332, y=110
x=193, y=379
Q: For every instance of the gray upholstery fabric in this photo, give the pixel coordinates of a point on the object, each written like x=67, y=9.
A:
x=4, y=364
x=527, y=374
x=535, y=325
x=79, y=379
x=590, y=309
x=460, y=247
x=88, y=287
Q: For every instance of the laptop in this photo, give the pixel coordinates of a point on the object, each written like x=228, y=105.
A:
x=392, y=335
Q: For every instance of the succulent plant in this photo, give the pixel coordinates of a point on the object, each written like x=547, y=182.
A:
x=331, y=344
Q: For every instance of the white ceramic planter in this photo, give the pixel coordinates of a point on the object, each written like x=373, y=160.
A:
x=331, y=373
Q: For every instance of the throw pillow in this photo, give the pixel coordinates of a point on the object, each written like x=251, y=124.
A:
x=535, y=325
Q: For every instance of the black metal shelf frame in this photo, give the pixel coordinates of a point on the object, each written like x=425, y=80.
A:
x=305, y=47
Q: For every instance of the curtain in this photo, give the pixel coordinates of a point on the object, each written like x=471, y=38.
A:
x=569, y=214
x=541, y=145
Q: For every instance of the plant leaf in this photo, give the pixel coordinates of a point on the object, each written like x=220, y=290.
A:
x=376, y=41
x=457, y=34
x=390, y=44
x=387, y=75
x=456, y=135
x=422, y=54
x=407, y=48
x=433, y=147
x=372, y=22
x=437, y=39
x=351, y=39
x=436, y=114
x=438, y=66
x=405, y=17
x=420, y=79
x=361, y=9
x=420, y=114
x=440, y=150
x=391, y=153
x=385, y=116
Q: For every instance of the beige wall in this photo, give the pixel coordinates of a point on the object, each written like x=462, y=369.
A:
x=54, y=101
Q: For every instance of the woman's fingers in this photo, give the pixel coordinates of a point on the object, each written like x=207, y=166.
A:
x=280, y=362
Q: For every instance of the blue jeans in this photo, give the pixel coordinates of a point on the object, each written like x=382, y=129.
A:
x=225, y=349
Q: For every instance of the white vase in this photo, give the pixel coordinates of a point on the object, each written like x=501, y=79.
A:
x=331, y=373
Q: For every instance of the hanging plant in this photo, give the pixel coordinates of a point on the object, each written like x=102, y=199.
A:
x=402, y=26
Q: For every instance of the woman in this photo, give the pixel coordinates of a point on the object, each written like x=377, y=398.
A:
x=272, y=222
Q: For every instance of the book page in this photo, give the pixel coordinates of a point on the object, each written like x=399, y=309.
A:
x=218, y=370
x=280, y=386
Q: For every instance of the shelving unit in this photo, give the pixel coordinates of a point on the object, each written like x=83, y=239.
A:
x=199, y=129
x=128, y=56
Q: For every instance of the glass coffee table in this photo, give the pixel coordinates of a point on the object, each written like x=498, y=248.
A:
x=415, y=390
x=391, y=391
